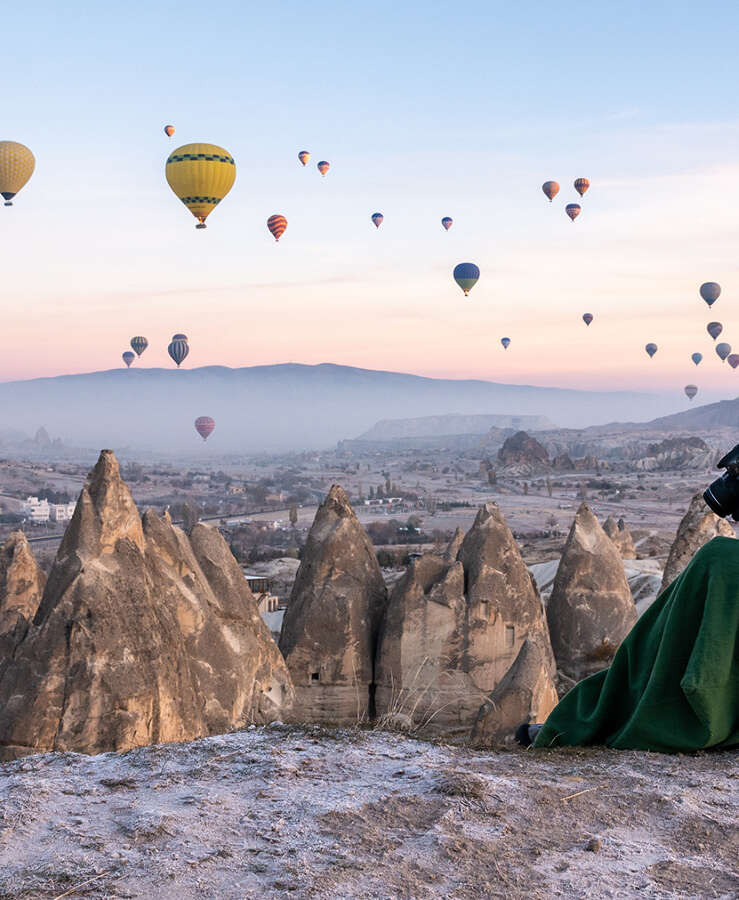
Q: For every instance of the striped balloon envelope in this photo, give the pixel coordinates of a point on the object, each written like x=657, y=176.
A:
x=573, y=210
x=581, y=185
x=277, y=225
x=178, y=350
x=200, y=175
x=139, y=344
x=587, y=318
x=690, y=391
x=179, y=337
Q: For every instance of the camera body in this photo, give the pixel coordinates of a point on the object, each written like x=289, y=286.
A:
x=722, y=495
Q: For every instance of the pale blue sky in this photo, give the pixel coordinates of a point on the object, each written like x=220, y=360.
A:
x=423, y=110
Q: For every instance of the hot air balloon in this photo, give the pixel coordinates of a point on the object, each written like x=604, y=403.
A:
x=304, y=156
x=551, y=189
x=377, y=219
x=690, y=391
x=723, y=350
x=178, y=350
x=581, y=185
x=204, y=426
x=587, y=318
x=139, y=344
x=277, y=225
x=180, y=337
x=696, y=357
x=323, y=166
x=710, y=291
x=466, y=275
x=169, y=130
x=714, y=329
x=651, y=349
x=733, y=360
x=573, y=210
x=447, y=222
x=16, y=167
x=505, y=342
x=200, y=175
x=128, y=358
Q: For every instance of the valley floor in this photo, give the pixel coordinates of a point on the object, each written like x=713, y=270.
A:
x=309, y=813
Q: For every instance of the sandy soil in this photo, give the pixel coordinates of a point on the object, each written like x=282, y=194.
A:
x=295, y=812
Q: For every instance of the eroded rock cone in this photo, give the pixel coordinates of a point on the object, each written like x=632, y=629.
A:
x=329, y=632
x=621, y=537
x=454, y=627
x=21, y=586
x=524, y=454
x=591, y=609
x=525, y=694
x=699, y=525
x=131, y=645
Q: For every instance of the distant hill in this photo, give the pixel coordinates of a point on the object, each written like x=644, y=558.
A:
x=432, y=426
x=724, y=414
x=280, y=407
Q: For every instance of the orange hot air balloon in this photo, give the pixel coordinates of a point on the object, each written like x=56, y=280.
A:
x=581, y=185
x=551, y=189
x=204, y=426
x=573, y=210
x=323, y=166
x=304, y=156
x=169, y=130
x=277, y=225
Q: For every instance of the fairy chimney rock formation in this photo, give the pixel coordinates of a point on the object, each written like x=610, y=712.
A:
x=21, y=586
x=523, y=453
x=699, y=525
x=132, y=644
x=453, y=628
x=621, y=537
x=330, y=627
x=525, y=694
x=591, y=609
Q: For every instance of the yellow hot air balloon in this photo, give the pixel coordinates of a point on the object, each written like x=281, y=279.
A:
x=200, y=175
x=16, y=167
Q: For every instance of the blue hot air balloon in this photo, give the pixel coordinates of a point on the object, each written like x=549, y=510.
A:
x=466, y=276
x=447, y=222
x=377, y=219
x=710, y=291
x=723, y=350
x=139, y=344
x=696, y=357
x=178, y=349
x=505, y=342
x=651, y=349
x=128, y=358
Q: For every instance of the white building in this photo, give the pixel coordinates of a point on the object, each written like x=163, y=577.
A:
x=36, y=510
x=61, y=512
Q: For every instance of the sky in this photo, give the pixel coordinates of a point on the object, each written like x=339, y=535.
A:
x=423, y=110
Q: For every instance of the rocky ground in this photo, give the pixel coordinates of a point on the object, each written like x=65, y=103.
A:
x=294, y=812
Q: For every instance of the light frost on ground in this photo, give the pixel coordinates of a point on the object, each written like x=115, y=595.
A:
x=301, y=812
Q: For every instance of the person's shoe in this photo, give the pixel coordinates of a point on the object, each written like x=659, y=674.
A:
x=526, y=733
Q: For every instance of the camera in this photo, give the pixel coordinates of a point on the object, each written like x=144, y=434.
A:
x=722, y=495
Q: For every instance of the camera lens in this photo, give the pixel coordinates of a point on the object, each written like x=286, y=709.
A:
x=722, y=496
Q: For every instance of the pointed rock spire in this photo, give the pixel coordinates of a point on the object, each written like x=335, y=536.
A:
x=330, y=627
x=21, y=586
x=525, y=694
x=591, y=609
x=131, y=644
x=621, y=537
x=698, y=526
x=454, y=628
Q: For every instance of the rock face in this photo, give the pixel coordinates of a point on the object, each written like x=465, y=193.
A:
x=454, y=627
x=591, y=609
x=698, y=526
x=142, y=636
x=21, y=586
x=523, y=453
x=525, y=694
x=329, y=632
x=621, y=537
x=676, y=453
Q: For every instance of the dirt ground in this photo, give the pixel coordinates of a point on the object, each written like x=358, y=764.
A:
x=309, y=813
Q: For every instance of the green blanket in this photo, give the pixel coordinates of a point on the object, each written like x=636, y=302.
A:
x=673, y=685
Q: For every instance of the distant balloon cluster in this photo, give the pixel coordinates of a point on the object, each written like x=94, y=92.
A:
x=551, y=189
